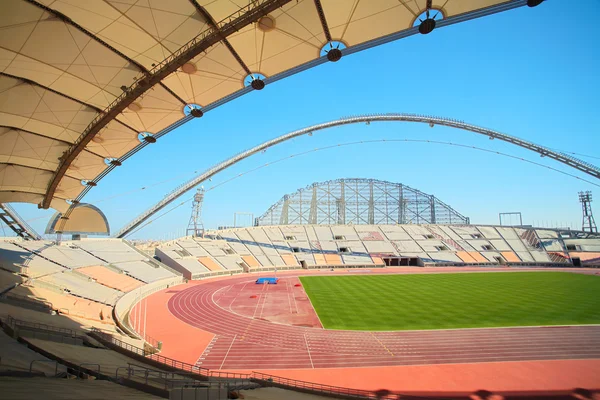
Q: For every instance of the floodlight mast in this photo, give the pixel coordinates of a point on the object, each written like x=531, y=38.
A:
x=588, y=224
x=196, y=226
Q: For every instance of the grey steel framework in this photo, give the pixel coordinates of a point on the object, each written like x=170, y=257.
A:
x=517, y=213
x=393, y=117
x=359, y=202
x=14, y=221
x=196, y=226
x=588, y=224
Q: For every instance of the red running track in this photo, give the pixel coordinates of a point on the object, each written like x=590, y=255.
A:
x=250, y=343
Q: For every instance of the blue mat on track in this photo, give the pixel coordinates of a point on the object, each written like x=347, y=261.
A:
x=270, y=281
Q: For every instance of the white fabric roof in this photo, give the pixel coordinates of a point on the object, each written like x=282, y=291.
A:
x=63, y=62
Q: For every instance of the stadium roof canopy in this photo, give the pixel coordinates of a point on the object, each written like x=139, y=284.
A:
x=84, y=84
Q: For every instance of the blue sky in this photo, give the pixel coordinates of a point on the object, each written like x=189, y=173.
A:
x=531, y=73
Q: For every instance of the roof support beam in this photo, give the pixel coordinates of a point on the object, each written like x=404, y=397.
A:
x=211, y=21
x=321, y=13
x=245, y=16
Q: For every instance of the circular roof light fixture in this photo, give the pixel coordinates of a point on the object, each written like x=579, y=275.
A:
x=534, y=3
x=427, y=20
x=257, y=84
x=255, y=80
x=85, y=182
x=333, y=50
x=112, y=161
x=193, y=109
x=146, y=137
x=266, y=23
x=135, y=107
x=189, y=68
x=427, y=26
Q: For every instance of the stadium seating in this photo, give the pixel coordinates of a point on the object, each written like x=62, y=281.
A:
x=262, y=247
x=110, y=278
x=78, y=285
x=144, y=270
x=19, y=358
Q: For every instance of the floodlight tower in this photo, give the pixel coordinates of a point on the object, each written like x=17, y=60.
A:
x=585, y=198
x=195, y=226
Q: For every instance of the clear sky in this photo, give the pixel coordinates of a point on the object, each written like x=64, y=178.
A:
x=532, y=73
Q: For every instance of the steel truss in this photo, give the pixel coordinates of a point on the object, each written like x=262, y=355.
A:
x=392, y=117
x=14, y=221
x=358, y=202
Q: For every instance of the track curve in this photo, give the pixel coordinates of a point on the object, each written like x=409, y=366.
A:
x=243, y=342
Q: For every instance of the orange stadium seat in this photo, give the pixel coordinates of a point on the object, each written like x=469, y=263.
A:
x=289, y=259
x=209, y=263
x=251, y=261
x=110, y=278
x=320, y=259
x=377, y=260
x=587, y=257
x=333, y=259
x=510, y=256
x=68, y=304
x=465, y=256
x=478, y=257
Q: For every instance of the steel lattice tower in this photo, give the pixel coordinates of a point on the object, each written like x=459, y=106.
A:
x=196, y=226
x=588, y=224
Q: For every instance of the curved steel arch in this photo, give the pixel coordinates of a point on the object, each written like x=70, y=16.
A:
x=573, y=162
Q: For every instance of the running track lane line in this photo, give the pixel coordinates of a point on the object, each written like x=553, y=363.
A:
x=308, y=350
x=550, y=342
x=228, y=350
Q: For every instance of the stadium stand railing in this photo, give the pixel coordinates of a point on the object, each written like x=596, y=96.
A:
x=317, y=388
x=43, y=331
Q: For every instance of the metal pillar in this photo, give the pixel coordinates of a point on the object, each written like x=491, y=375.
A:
x=312, y=216
x=517, y=213
x=588, y=224
x=196, y=226
x=285, y=211
x=371, y=205
x=432, y=219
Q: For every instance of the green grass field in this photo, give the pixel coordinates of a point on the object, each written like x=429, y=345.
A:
x=462, y=300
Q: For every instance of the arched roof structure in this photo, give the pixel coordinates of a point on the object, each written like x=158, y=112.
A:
x=452, y=123
x=83, y=219
x=84, y=84
x=359, y=201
